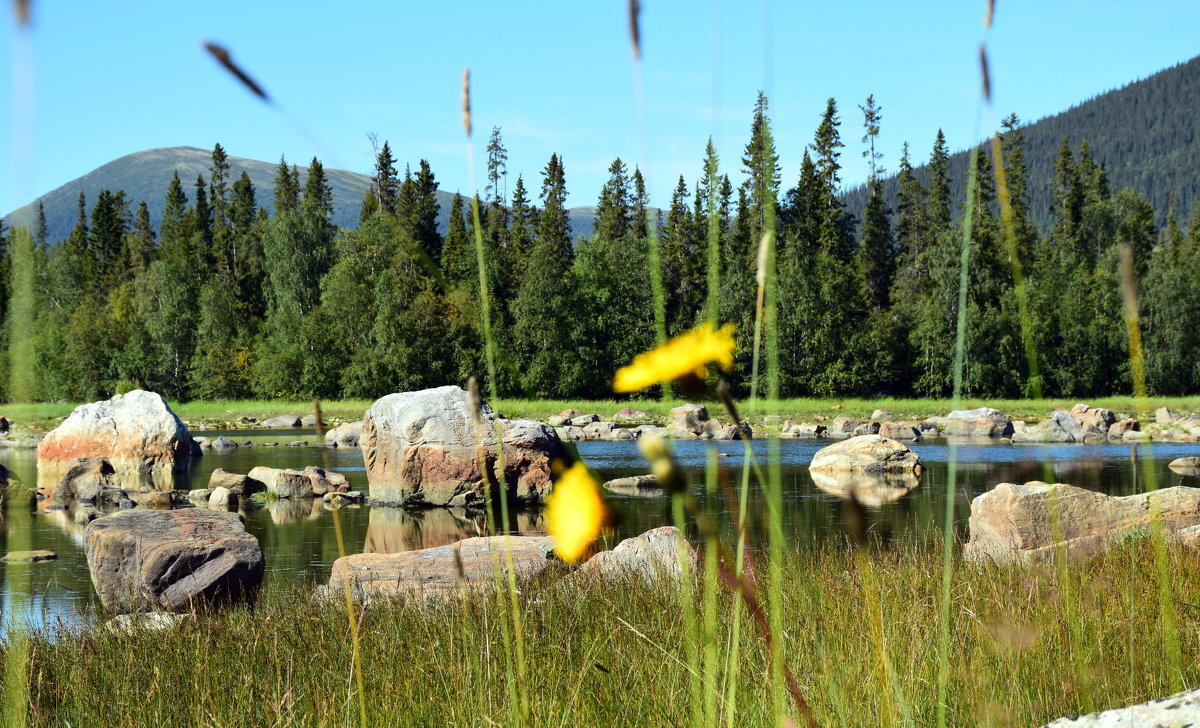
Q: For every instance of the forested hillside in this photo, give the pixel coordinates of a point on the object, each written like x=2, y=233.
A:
x=1145, y=134
x=231, y=297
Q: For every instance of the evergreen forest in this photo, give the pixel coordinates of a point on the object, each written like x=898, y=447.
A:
x=223, y=300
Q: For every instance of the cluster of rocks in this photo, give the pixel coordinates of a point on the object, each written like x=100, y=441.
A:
x=687, y=422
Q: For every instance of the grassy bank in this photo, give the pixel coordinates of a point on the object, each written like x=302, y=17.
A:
x=798, y=409
x=860, y=635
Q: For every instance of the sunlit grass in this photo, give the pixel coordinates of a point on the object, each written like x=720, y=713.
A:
x=615, y=654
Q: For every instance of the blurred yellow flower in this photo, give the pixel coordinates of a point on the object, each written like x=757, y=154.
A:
x=688, y=353
x=576, y=513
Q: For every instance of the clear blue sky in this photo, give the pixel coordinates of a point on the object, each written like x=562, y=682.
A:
x=114, y=78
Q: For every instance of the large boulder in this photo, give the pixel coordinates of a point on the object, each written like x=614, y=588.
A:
x=424, y=448
x=152, y=560
x=652, y=556
x=442, y=571
x=868, y=454
x=346, y=435
x=1015, y=522
x=136, y=432
x=1175, y=711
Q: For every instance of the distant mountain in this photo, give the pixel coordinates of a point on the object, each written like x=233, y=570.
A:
x=145, y=176
x=1146, y=134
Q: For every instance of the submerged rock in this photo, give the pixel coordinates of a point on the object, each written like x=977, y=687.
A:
x=424, y=448
x=1015, y=522
x=28, y=557
x=867, y=453
x=149, y=560
x=136, y=432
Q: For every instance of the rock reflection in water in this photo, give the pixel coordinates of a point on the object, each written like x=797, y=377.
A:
x=292, y=510
x=870, y=489
x=393, y=530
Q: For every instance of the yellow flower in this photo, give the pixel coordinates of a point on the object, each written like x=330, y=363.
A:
x=575, y=513
x=688, y=353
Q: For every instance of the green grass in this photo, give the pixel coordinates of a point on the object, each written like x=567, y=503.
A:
x=799, y=409
x=614, y=655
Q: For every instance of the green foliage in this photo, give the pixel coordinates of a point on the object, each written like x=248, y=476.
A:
x=226, y=301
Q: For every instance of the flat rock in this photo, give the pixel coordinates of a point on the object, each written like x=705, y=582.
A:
x=1186, y=466
x=442, y=571
x=652, y=556
x=425, y=448
x=980, y=422
x=1176, y=711
x=288, y=420
x=626, y=414
x=131, y=624
x=867, y=453
x=734, y=432
x=150, y=560
x=1015, y=522
x=136, y=432
x=804, y=430
x=28, y=557
x=635, y=485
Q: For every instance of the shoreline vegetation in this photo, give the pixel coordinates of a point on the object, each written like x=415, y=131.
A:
x=220, y=412
x=1030, y=644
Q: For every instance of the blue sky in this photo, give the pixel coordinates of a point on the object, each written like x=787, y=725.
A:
x=109, y=79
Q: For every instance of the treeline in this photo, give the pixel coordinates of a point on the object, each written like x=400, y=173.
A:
x=226, y=301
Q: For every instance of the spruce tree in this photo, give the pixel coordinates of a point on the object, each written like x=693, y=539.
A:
x=387, y=185
x=287, y=188
x=939, y=186
x=761, y=165
x=611, y=220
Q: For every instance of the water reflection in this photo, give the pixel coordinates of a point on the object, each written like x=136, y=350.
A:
x=291, y=510
x=392, y=530
x=870, y=489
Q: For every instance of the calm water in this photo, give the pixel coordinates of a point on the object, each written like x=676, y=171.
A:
x=300, y=544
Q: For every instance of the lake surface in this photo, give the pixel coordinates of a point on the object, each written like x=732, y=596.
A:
x=300, y=544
